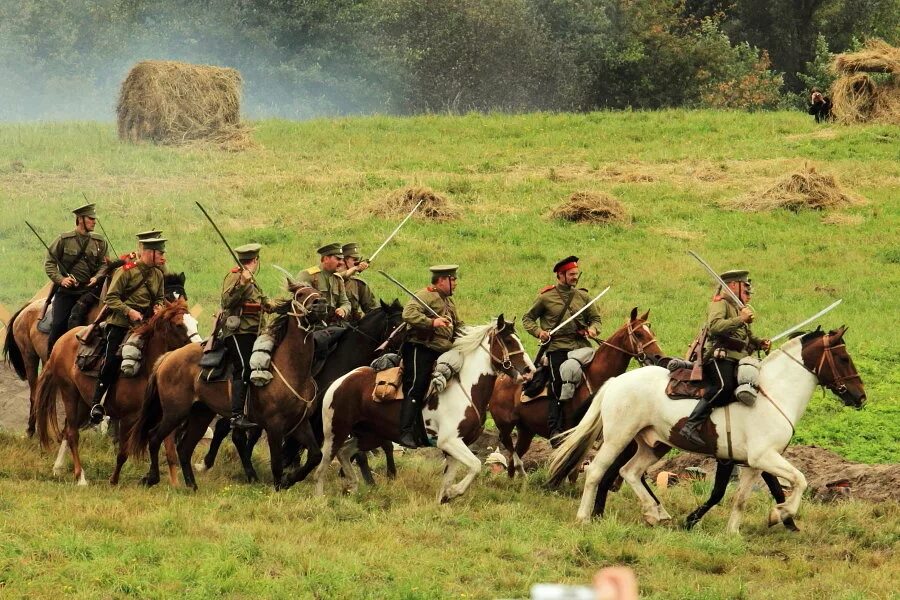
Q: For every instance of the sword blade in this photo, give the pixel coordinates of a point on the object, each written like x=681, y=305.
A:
x=396, y=230
x=718, y=279
x=809, y=320
x=285, y=272
x=580, y=310
x=411, y=294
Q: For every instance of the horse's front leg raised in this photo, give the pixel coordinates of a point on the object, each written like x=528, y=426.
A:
x=778, y=466
x=458, y=450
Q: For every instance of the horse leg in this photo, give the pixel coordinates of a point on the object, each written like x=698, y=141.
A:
x=60, y=462
x=32, y=360
x=603, y=460
x=307, y=437
x=72, y=439
x=524, y=437
x=198, y=422
x=745, y=487
x=778, y=466
x=724, y=469
x=244, y=444
x=362, y=461
x=609, y=478
x=220, y=432
x=458, y=450
x=122, y=454
x=159, y=433
x=450, y=467
x=633, y=473
x=275, y=435
x=505, y=430
x=778, y=494
x=391, y=467
x=171, y=459
x=344, y=457
x=330, y=446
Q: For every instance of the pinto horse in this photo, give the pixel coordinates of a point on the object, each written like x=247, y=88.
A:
x=171, y=327
x=456, y=415
x=634, y=339
x=634, y=406
x=176, y=394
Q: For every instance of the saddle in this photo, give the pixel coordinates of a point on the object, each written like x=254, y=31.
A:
x=326, y=340
x=537, y=387
x=90, y=356
x=388, y=378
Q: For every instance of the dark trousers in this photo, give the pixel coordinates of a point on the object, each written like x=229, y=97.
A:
x=418, y=363
x=555, y=413
x=63, y=303
x=721, y=375
x=240, y=346
x=112, y=362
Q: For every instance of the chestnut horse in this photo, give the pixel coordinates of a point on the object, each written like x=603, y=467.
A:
x=456, y=415
x=634, y=339
x=176, y=394
x=170, y=328
x=634, y=406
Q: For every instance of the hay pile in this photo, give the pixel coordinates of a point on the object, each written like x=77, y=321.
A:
x=400, y=202
x=806, y=189
x=172, y=102
x=857, y=97
x=591, y=207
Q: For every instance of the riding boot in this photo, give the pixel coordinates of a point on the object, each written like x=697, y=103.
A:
x=97, y=410
x=238, y=420
x=691, y=428
x=408, y=410
x=554, y=421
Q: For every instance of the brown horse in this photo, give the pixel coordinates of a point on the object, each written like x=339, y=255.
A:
x=177, y=394
x=172, y=327
x=456, y=415
x=634, y=339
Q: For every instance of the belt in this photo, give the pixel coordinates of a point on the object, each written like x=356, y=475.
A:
x=729, y=343
x=251, y=308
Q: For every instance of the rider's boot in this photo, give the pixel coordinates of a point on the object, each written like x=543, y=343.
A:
x=691, y=429
x=238, y=420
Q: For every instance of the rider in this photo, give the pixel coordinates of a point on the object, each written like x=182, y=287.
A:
x=135, y=293
x=132, y=256
x=362, y=300
x=729, y=339
x=555, y=304
x=327, y=282
x=242, y=298
x=83, y=255
x=429, y=337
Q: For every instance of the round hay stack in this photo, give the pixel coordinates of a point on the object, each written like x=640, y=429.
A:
x=591, y=207
x=857, y=97
x=806, y=189
x=400, y=202
x=171, y=102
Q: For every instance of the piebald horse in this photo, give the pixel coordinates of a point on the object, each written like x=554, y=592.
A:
x=455, y=416
x=634, y=406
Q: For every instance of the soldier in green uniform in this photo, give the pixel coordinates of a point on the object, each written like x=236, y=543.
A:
x=132, y=256
x=326, y=280
x=362, y=300
x=242, y=300
x=729, y=339
x=429, y=337
x=555, y=304
x=135, y=293
x=83, y=255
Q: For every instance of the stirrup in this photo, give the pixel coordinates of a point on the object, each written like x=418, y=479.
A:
x=242, y=422
x=97, y=413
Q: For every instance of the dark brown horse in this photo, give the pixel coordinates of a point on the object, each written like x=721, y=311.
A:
x=634, y=339
x=172, y=327
x=177, y=394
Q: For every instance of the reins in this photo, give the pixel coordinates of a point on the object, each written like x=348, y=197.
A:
x=639, y=353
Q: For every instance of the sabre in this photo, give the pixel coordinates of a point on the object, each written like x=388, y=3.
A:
x=108, y=241
x=413, y=296
x=46, y=247
x=397, y=229
x=572, y=318
x=284, y=272
x=718, y=279
x=809, y=320
x=224, y=241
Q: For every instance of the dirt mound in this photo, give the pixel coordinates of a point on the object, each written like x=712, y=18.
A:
x=806, y=189
x=537, y=456
x=171, y=102
x=13, y=399
x=400, y=202
x=860, y=98
x=591, y=207
x=873, y=483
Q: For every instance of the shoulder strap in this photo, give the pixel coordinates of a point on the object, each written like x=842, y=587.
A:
x=143, y=282
x=81, y=252
x=566, y=306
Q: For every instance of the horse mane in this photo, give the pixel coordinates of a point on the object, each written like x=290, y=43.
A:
x=168, y=316
x=469, y=341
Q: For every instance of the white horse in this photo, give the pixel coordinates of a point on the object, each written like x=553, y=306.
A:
x=634, y=406
x=455, y=416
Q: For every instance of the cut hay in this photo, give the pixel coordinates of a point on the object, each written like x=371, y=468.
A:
x=591, y=207
x=875, y=57
x=170, y=102
x=859, y=98
x=400, y=202
x=804, y=190
x=843, y=219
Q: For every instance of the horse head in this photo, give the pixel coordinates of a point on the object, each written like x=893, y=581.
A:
x=174, y=286
x=306, y=303
x=636, y=339
x=826, y=356
x=172, y=323
x=507, y=352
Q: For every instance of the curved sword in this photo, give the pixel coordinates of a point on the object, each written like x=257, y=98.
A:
x=413, y=296
x=394, y=232
x=580, y=310
x=809, y=320
x=285, y=272
x=718, y=279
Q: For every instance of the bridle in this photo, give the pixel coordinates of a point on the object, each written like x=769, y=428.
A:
x=504, y=360
x=639, y=348
x=300, y=309
x=837, y=383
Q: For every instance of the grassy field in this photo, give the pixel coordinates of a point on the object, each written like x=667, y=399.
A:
x=318, y=181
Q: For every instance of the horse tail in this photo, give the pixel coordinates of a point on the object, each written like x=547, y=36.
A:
x=578, y=441
x=45, y=416
x=12, y=354
x=151, y=415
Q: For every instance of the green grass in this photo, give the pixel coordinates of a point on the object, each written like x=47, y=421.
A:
x=314, y=182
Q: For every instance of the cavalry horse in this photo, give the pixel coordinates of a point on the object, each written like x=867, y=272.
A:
x=176, y=394
x=358, y=347
x=455, y=416
x=171, y=327
x=634, y=406
x=634, y=339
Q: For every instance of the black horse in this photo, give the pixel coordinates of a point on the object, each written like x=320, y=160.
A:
x=358, y=347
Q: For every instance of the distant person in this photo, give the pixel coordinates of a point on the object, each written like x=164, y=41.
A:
x=496, y=462
x=819, y=106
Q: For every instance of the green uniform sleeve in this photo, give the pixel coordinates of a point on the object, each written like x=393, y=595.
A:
x=416, y=316
x=342, y=300
x=104, y=264
x=117, y=287
x=233, y=290
x=51, y=266
x=719, y=324
x=160, y=290
x=367, y=300
x=531, y=319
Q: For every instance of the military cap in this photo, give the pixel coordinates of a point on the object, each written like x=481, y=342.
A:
x=444, y=270
x=86, y=211
x=735, y=275
x=148, y=235
x=351, y=249
x=158, y=244
x=248, y=251
x=565, y=264
x=331, y=250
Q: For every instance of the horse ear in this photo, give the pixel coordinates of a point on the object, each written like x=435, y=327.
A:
x=839, y=334
x=500, y=322
x=634, y=313
x=646, y=315
x=383, y=305
x=181, y=278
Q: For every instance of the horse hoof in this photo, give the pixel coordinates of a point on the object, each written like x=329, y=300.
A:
x=774, y=517
x=583, y=520
x=82, y=482
x=789, y=523
x=199, y=467
x=444, y=499
x=148, y=481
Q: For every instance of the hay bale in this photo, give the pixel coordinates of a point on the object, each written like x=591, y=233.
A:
x=859, y=98
x=401, y=201
x=591, y=207
x=875, y=57
x=806, y=189
x=171, y=102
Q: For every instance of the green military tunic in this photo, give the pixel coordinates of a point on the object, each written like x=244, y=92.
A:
x=244, y=300
x=545, y=313
x=362, y=300
x=728, y=332
x=68, y=247
x=440, y=339
x=142, y=297
x=330, y=285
